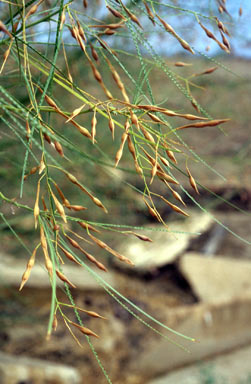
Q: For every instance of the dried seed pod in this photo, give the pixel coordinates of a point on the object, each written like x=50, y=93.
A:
x=33, y=9
x=141, y=237
x=93, y=260
x=81, y=32
x=111, y=126
x=5, y=56
x=41, y=165
x=134, y=119
x=131, y=15
x=75, y=113
x=225, y=41
x=92, y=314
x=4, y=29
x=170, y=29
x=174, y=207
x=165, y=161
x=240, y=11
x=147, y=134
x=76, y=208
x=96, y=73
x=36, y=206
x=63, y=198
x=47, y=138
x=149, y=12
x=59, y=207
x=85, y=3
x=192, y=181
x=155, y=118
x=103, y=245
x=87, y=226
x=120, y=150
x=73, y=242
x=152, y=212
x=65, y=279
x=171, y=156
x=181, y=64
x=175, y=194
x=69, y=255
x=153, y=171
x=207, y=71
x=211, y=36
x=94, y=53
x=164, y=176
x=28, y=269
x=131, y=147
x=84, y=330
x=48, y=263
x=202, y=124
x=82, y=130
x=93, y=125
x=59, y=148
x=115, y=12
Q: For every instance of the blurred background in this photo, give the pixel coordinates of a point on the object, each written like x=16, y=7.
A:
x=193, y=277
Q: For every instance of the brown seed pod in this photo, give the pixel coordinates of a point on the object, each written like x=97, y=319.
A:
x=164, y=176
x=59, y=207
x=152, y=212
x=225, y=41
x=47, y=138
x=131, y=15
x=203, y=124
x=149, y=12
x=103, y=245
x=76, y=208
x=181, y=64
x=175, y=194
x=28, y=269
x=141, y=237
x=65, y=279
x=36, y=206
x=84, y=330
x=120, y=150
x=81, y=31
x=93, y=126
x=174, y=207
x=75, y=113
x=171, y=156
x=4, y=29
x=207, y=71
x=69, y=255
x=87, y=226
x=192, y=181
x=240, y=11
x=147, y=134
x=48, y=262
x=93, y=260
x=170, y=29
x=115, y=12
x=59, y=148
x=94, y=53
x=63, y=198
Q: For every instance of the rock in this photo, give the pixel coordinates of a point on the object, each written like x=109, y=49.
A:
x=230, y=368
x=216, y=279
x=218, y=328
x=13, y=269
x=15, y=369
x=166, y=247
